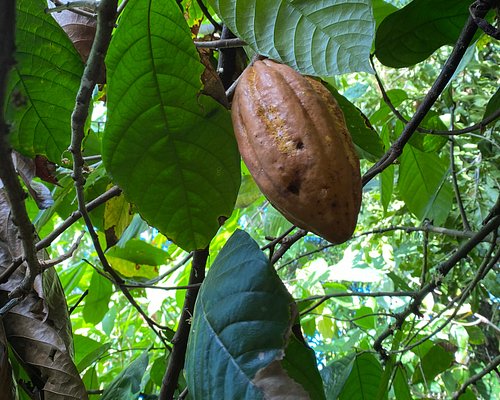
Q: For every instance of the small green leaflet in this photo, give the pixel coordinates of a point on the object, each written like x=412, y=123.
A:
x=364, y=380
x=322, y=38
x=169, y=148
x=43, y=84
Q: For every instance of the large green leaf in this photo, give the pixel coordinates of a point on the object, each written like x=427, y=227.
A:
x=169, y=148
x=413, y=33
x=435, y=361
x=43, y=84
x=364, y=380
x=322, y=38
x=241, y=321
x=424, y=186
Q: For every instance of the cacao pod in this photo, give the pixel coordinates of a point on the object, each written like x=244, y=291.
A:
x=293, y=138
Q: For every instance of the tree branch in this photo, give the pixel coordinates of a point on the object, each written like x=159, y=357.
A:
x=15, y=193
x=460, y=204
x=221, y=44
x=452, y=132
x=444, y=77
x=442, y=270
x=180, y=339
x=205, y=12
x=326, y=297
x=473, y=379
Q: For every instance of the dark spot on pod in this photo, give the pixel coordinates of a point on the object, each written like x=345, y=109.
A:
x=299, y=145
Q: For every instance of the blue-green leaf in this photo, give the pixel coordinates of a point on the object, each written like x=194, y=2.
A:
x=170, y=149
x=127, y=385
x=241, y=321
x=43, y=84
x=322, y=38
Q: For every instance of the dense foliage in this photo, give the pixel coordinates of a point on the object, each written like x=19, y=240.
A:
x=116, y=305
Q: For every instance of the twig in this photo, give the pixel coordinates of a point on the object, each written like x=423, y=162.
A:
x=445, y=75
x=105, y=23
x=8, y=175
x=326, y=297
x=221, y=44
x=80, y=299
x=171, y=270
x=277, y=240
x=121, y=7
x=485, y=26
x=140, y=286
x=408, y=229
x=205, y=12
x=286, y=243
x=180, y=339
x=456, y=189
x=473, y=379
x=78, y=11
x=72, y=5
x=75, y=216
x=10, y=305
x=452, y=132
x=441, y=272
x=63, y=257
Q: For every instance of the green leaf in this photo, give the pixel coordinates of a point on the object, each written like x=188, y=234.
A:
x=241, y=319
x=336, y=374
x=493, y=104
x=427, y=142
x=43, y=84
x=158, y=370
x=301, y=365
x=435, y=361
x=410, y=35
x=476, y=335
x=424, y=186
x=364, y=380
x=400, y=384
x=384, y=113
x=91, y=381
x=169, y=148
x=325, y=38
x=365, y=138
x=249, y=192
x=139, y=252
x=367, y=322
x=97, y=301
x=381, y=9
x=87, y=351
x=127, y=385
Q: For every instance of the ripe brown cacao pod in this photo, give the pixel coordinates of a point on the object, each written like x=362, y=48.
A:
x=293, y=138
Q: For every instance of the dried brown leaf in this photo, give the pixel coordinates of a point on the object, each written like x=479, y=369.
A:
x=8, y=390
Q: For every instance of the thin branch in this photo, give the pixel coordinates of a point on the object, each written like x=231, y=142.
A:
x=277, y=240
x=75, y=216
x=205, y=12
x=286, y=243
x=80, y=299
x=442, y=270
x=221, y=44
x=121, y=7
x=78, y=11
x=15, y=193
x=452, y=132
x=326, y=297
x=444, y=77
x=105, y=23
x=460, y=204
x=475, y=378
x=167, y=288
x=485, y=26
x=180, y=339
x=408, y=229
x=46, y=264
